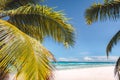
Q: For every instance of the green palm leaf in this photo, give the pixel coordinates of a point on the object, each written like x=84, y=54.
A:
x=113, y=42
x=117, y=69
x=12, y=4
x=28, y=56
x=41, y=21
x=108, y=10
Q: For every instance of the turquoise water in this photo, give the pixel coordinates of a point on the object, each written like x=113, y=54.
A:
x=74, y=65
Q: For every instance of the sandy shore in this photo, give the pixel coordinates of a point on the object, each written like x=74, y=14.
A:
x=98, y=73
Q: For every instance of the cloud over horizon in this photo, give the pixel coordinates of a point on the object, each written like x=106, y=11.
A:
x=91, y=59
x=68, y=59
x=101, y=58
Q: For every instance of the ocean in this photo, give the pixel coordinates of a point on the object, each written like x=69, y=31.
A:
x=75, y=65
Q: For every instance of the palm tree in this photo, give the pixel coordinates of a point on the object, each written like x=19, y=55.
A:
x=21, y=35
x=110, y=9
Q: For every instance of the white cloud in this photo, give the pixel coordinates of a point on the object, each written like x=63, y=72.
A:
x=100, y=58
x=88, y=59
x=68, y=59
x=113, y=58
x=91, y=58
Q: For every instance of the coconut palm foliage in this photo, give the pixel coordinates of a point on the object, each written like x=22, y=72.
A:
x=113, y=42
x=53, y=23
x=12, y=4
x=117, y=68
x=110, y=9
x=23, y=52
x=21, y=36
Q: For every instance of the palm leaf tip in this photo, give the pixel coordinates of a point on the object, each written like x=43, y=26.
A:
x=91, y=14
x=113, y=42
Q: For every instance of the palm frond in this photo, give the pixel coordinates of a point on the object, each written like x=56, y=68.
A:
x=12, y=4
x=108, y=10
x=38, y=65
x=41, y=21
x=28, y=56
x=117, y=69
x=40, y=49
x=113, y=42
x=106, y=1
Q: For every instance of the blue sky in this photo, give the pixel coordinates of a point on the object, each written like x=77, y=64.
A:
x=90, y=40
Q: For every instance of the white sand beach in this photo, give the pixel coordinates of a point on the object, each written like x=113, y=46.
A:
x=97, y=73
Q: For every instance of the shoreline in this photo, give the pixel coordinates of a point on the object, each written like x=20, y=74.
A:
x=83, y=68
x=93, y=73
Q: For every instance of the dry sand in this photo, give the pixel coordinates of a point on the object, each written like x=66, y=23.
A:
x=97, y=73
